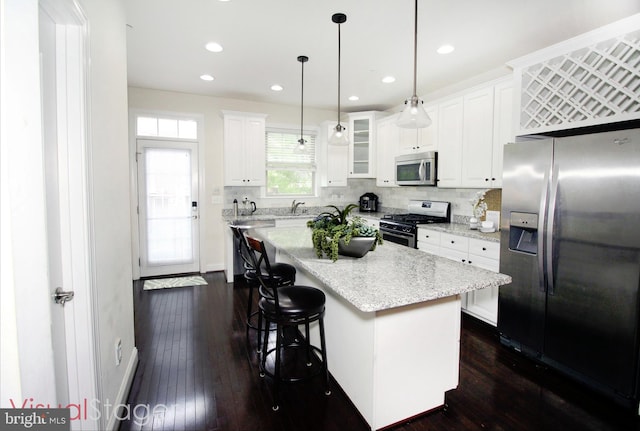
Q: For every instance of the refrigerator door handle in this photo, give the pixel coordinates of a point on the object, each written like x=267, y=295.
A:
x=544, y=198
x=548, y=253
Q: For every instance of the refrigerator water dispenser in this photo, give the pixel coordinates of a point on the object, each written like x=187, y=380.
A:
x=523, y=232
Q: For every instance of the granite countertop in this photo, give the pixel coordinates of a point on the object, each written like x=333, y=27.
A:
x=453, y=228
x=391, y=276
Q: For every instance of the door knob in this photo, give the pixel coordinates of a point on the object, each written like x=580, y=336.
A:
x=60, y=296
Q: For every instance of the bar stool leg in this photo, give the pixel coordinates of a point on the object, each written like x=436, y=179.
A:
x=307, y=343
x=265, y=347
x=276, y=372
x=249, y=310
x=259, y=331
x=323, y=346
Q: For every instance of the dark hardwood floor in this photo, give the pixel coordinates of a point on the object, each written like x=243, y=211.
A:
x=196, y=372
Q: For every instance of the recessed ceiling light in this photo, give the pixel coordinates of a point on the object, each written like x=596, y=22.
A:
x=276, y=87
x=446, y=49
x=354, y=98
x=213, y=47
x=207, y=77
x=388, y=79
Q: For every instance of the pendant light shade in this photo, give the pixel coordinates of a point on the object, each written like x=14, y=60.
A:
x=302, y=59
x=413, y=116
x=339, y=135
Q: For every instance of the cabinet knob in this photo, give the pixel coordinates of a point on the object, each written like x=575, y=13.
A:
x=486, y=179
x=469, y=261
x=484, y=248
x=453, y=242
x=493, y=179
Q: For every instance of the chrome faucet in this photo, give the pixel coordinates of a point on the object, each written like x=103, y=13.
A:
x=295, y=205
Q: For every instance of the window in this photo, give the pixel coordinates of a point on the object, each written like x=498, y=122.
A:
x=290, y=171
x=167, y=127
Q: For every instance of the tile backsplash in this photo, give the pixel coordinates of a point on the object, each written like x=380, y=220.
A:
x=391, y=199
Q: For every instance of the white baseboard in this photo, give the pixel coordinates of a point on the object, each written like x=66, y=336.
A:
x=125, y=386
x=213, y=267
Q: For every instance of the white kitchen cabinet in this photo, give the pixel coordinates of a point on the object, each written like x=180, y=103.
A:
x=477, y=138
x=483, y=303
x=387, y=134
x=362, y=140
x=503, y=128
x=450, y=120
x=472, y=131
x=420, y=140
x=487, y=128
x=337, y=165
x=429, y=240
x=333, y=160
x=244, y=149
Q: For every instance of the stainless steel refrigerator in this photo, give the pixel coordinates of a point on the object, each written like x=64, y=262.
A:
x=571, y=242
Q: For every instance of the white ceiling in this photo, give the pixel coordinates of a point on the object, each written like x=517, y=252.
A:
x=263, y=38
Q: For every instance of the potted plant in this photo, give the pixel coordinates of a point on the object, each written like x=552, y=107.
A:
x=334, y=233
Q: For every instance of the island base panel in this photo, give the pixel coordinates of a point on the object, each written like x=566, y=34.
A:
x=393, y=364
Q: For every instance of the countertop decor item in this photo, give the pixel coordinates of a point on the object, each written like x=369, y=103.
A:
x=479, y=206
x=334, y=233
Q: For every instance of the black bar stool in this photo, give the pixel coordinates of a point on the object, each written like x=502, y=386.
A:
x=278, y=274
x=289, y=307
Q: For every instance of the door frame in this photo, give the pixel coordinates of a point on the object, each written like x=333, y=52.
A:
x=133, y=175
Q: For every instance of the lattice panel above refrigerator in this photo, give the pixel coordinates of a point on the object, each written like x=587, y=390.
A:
x=590, y=85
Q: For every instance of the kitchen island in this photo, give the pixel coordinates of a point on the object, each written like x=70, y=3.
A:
x=392, y=321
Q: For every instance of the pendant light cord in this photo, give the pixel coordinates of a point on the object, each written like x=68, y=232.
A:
x=339, y=50
x=302, y=106
x=415, y=51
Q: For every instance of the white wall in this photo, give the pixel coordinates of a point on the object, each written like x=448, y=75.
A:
x=27, y=365
x=210, y=108
x=109, y=165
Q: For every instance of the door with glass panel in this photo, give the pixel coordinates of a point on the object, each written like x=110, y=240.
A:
x=168, y=207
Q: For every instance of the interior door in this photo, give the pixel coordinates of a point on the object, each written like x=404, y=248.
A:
x=64, y=112
x=53, y=183
x=168, y=207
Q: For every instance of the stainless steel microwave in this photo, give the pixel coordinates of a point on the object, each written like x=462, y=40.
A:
x=417, y=169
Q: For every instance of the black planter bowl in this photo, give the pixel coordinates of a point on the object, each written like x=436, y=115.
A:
x=357, y=247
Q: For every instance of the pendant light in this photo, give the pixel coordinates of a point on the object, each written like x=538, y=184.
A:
x=413, y=116
x=339, y=135
x=302, y=59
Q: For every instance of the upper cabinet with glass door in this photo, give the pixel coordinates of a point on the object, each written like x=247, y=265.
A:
x=362, y=148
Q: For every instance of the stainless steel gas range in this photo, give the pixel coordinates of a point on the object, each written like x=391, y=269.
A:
x=403, y=228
